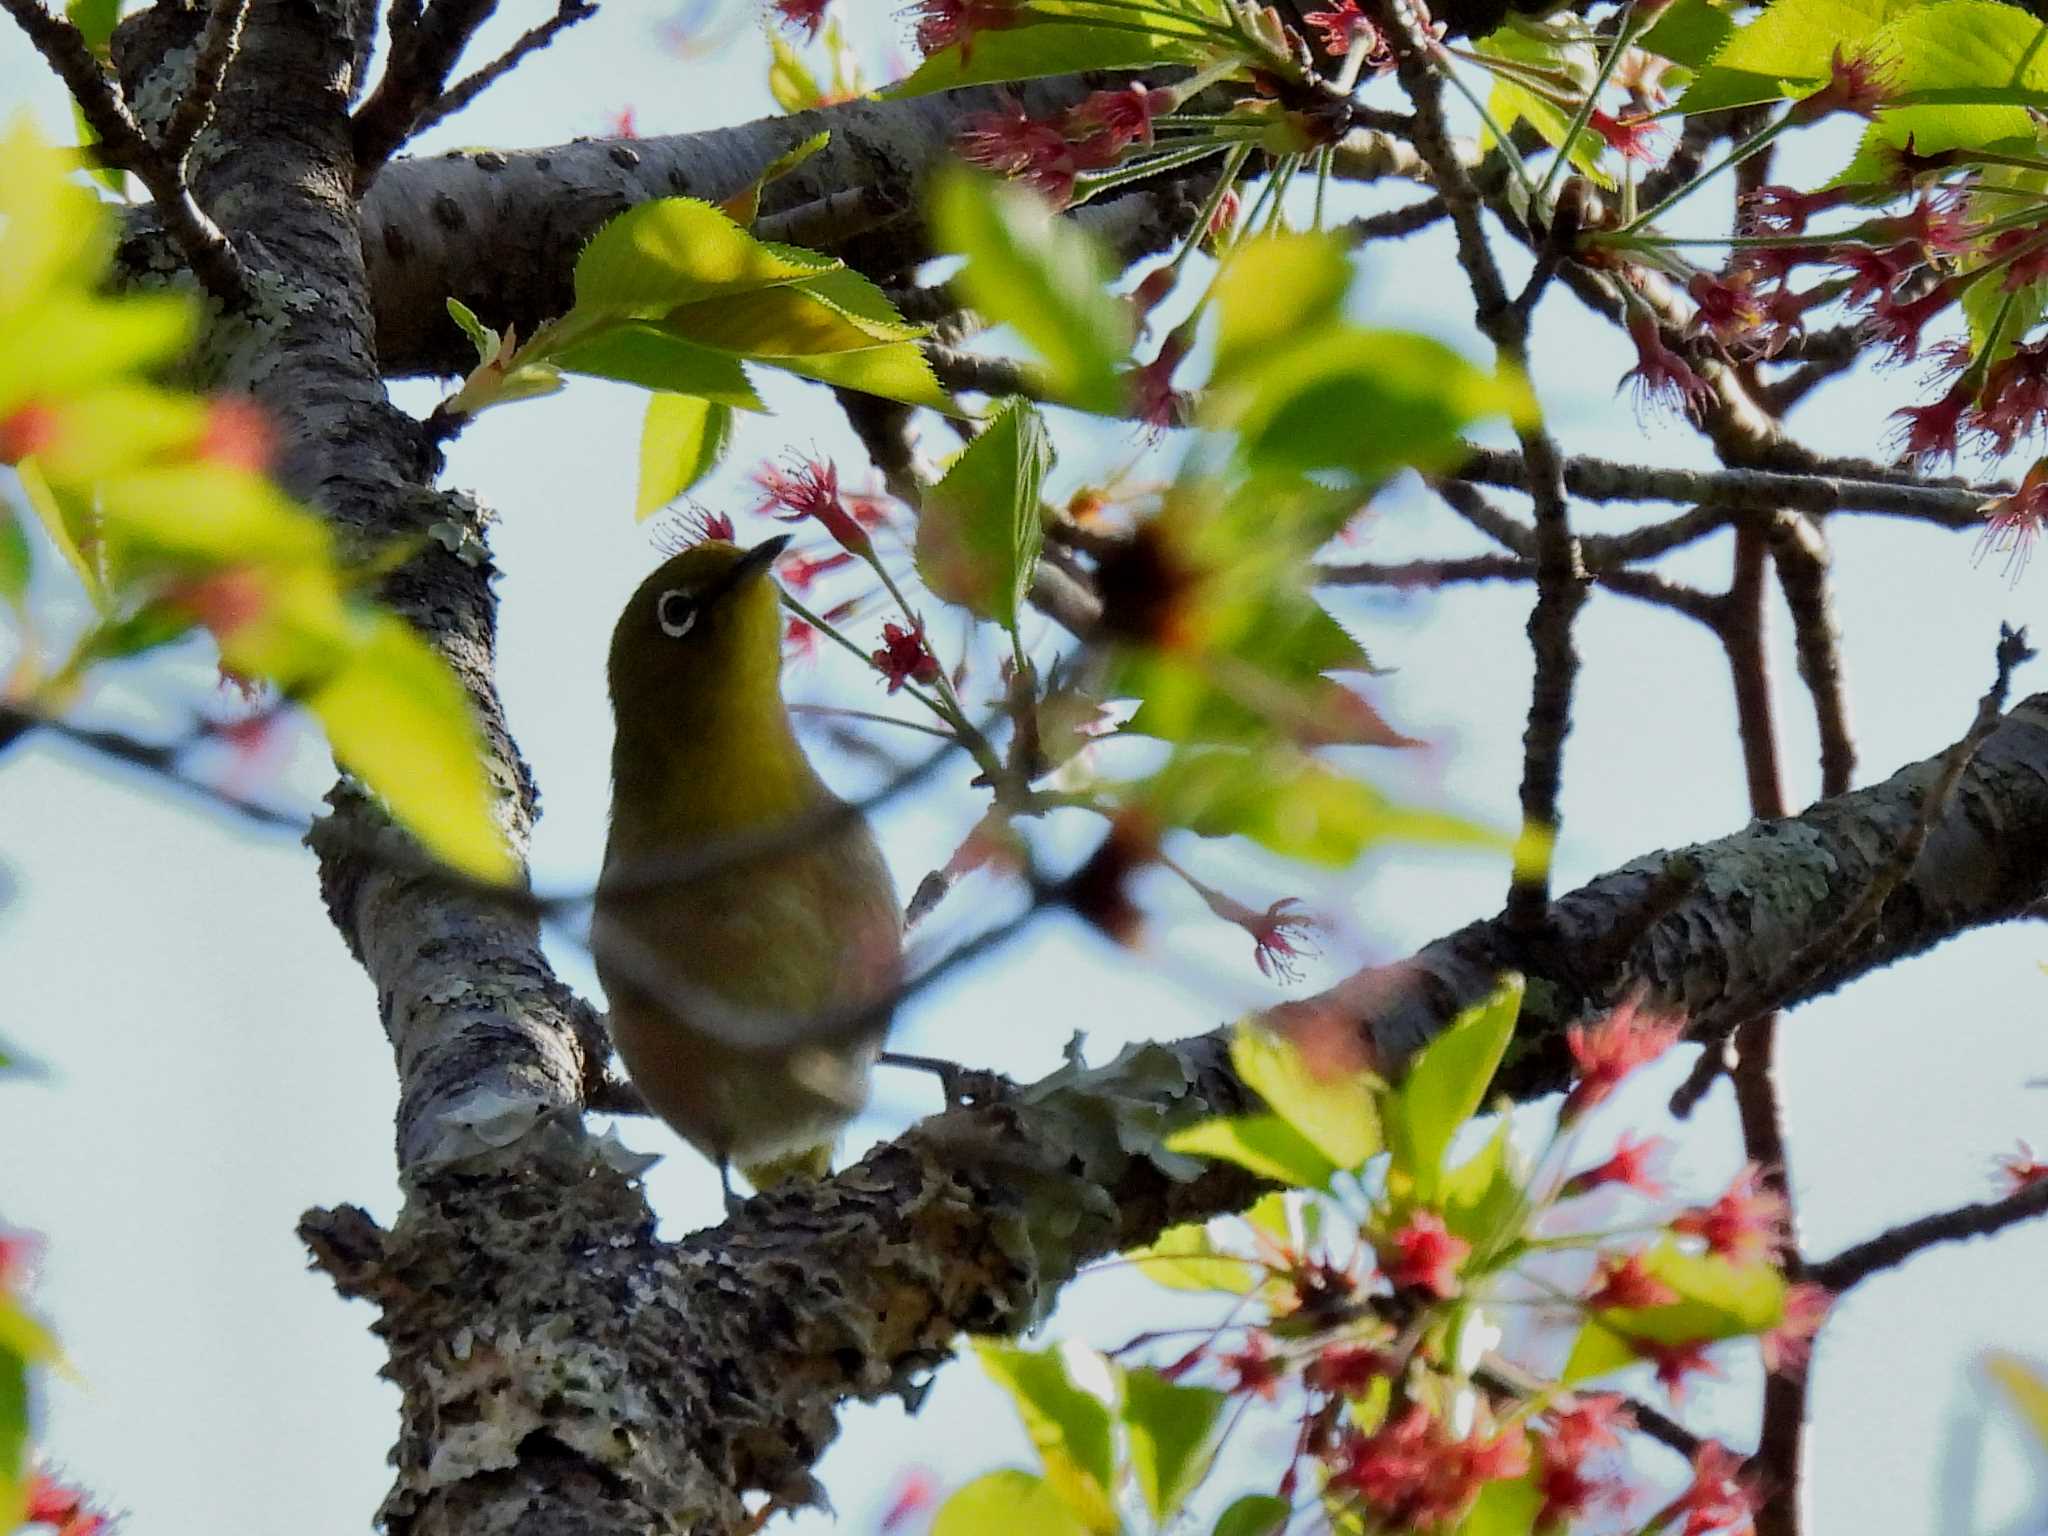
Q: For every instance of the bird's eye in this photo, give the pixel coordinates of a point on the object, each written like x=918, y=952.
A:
x=676, y=613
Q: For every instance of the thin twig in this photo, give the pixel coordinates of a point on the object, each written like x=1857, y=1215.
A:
x=1800, y=553
x=124, y=146
x=532, y=40
x=1954, y=505
x=422, y=53
x=217, y=45
x=1888, y=1250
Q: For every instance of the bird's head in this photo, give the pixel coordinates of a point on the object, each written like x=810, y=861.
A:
x=705, y=627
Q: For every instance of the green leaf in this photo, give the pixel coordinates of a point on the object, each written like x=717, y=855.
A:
x=1690, y=32
x=897, y=372
x=398, y=720
x=1273, y=291
x=213, y=515
x=1184, y=1258
x=1049, y=47
x=1787, y=50
x=1967, y=52
x=1338, y=1115
x=1482, y=1194
x=1041, y=274
x=1505, y=1507
x=1513, y=103
x=640, y=354
x=481, y=336
x=22, y=1337
x=95, y=22
x=1293, y=805
x=1256, y=1514
x=790, y=321
x=1072, y=1429
x=1008, y=1503
x=13, y=1441
x=679, y=250
x=70, y=342
x=1717, y=1300
x=1444, y=1087
x=52, y=234
x=15, y=559
x=744, y=206
x=1361, y=402
x=1264, y=1144
x=1172, y=1438
x=979, y=532
x=681, y=441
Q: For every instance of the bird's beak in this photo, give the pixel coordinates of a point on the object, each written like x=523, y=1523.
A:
x=756, y=561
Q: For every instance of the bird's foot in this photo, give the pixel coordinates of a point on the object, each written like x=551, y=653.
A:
x=964, y=1087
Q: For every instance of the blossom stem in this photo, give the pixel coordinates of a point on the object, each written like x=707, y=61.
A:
x=1501, y=137
x=1323, y=161
x=1741, y=152
x=1639, y=19
x=1217, y=193
x=1087, y=187
x=832, y=633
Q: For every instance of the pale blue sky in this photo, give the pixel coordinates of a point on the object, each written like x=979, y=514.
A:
x=214, y=1064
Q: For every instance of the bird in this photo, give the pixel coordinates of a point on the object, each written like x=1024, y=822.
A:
x=745, y=928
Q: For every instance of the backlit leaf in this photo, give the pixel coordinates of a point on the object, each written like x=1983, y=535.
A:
x=1337, y=1114
x=1036, y=272
x=681, y=441
x=1071, y=1428
x=1443, y=1088
x=979, y=531
x=1264, y=1144
x=678, y=250
x=398, y=720
x=1008, y=1503
x=1184, y=1259
x=1172, y=1430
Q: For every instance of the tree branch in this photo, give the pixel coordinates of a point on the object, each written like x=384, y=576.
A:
x=1888, y=1250
x=532, y=40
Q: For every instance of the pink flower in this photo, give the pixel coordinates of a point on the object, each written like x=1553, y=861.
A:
x=2018, y=1170
x=1727, y=309
x=1589, y=1424
x=799, y=571
x=1345, y=24
x=1855, y=84
x=1631, y=136
x=2013, y=523
x=1608, y=1051
x=237, y=433
x=1744, y=1226
x=1629, y=1167
x=1898, y=324
x=810, y=488
x=1674, y=1362
x=2014, y=400
x=1412, y=1476
x=800, y=641
x=51, y=1503
x=1719, y=1498
x=1153, y=400
x=1660, y=374
x=942, y=23
x=805, y=16
x=1254, y=1370
x=1032, y=150
x=905, y=657
x=1787, y=1346
x=1425, y=1256
x=1927, y=433
x=1349, y=1370
x=1105, y=124
x=917, y=1492
x=1785, y=210
x=30, y=428
x=1626, y=1282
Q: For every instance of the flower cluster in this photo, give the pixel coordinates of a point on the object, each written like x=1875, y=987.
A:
x=1404, y=1412
x=1050, y=153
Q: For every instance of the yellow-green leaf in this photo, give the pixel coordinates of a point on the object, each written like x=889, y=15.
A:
x=1070, y=1427
x=678, y=250
x=1444, y=1086
x=1264, y=1144
x=1172, y=1434
x=1007, y=1503
x=2026, y=1386
x=1184, y=1259
x=1039, y=273
x=979, y=532
x=398, y=720
x=681, y=441
x=1338, y=1114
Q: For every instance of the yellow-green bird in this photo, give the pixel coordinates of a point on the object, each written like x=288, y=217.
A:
x=737, y=992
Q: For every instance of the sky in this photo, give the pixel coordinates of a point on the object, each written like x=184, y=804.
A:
x=211, y=1063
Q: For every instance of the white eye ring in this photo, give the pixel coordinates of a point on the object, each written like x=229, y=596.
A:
x=676, y=628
